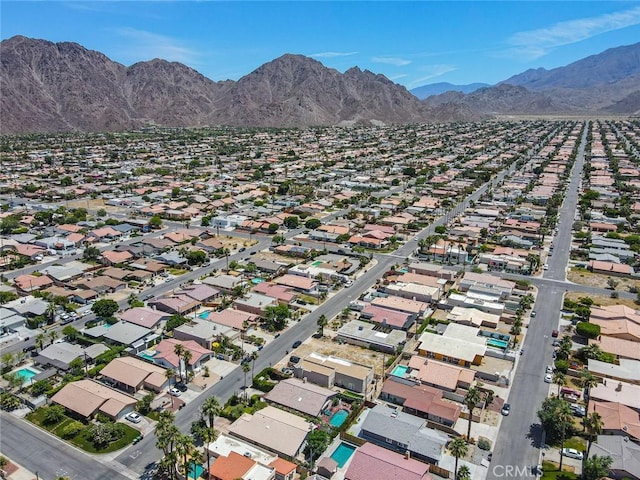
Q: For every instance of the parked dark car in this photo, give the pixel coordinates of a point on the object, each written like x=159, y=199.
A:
x=296, y=344
x=181, y=386
x=30, y=348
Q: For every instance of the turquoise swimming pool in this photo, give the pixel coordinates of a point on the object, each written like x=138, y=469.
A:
x=195, y=470
x=26, y=374
x=204, y=314
x=256, y=281
x=399, y=371
x=343, y=453
x=338, y=418
x=494, y=342
x=146, y=356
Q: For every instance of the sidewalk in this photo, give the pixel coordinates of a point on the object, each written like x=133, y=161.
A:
x=18, y=472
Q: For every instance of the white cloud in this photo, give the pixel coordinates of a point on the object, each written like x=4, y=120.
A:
x=332, y=54
x=432, y=71
x=398, y=77
x=398, y=62
x=534, y=44
x=145, y=45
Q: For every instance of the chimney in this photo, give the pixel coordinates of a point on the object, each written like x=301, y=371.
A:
x=619, y=387
x=407, y=454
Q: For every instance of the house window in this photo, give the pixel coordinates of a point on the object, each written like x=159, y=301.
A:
x=388, y=440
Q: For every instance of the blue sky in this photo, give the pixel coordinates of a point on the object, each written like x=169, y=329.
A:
x=412, y=43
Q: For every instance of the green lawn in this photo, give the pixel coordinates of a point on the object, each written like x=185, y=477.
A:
x=82, y=439
x=576, y=442
x=550, y=472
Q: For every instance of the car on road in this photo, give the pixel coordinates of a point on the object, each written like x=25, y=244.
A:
x=133, y=417
x=174, y=391
x=555, y=334
x=546, y=266
x=533, y=313
x=242, y=249
x=506, y=408
x=181, y=386
x=348, y=283
x=572, y=453
x=296, y=344
x=549, y=369
x=252, y=253
x=548, y=378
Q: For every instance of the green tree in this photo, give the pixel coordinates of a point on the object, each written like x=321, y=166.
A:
x=464, y=473
x=458, y=448
x=593, y=425
x=91, y=253
x=53, y=414
x=564, y=417
x=277, y=317
x=70, y=332
x=40, y=387
x=155, y=222
x=144, y=404
x=559, y=379
x=6, y=297
x=596, y=467
x=551, y=423
x=322, y=322
x=105, y=307
x=588, y=380
x=317, y=442
x=210, y=408
x=471, y=399
x=245, y=369
x=292, y=222
x=179, y=350
x=312, y=223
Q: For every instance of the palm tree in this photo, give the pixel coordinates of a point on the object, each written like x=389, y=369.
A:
x=471, y=399
x=178, y=349
x=184, y=449
x=196, y=459
x=458, y=448
x=40, y=341
x=559, y=379
x=245, y=369
x=170, y=373
x=209, y=435
x=322, y=322
x=210, y=408
x=186, y=358
x=593, y=424
x=52, y=336
x=50, y=312
x=564, y=417
x=464, y=473
x=253, y=357
x=564, y=350
x=167, y=433
x=588, y=380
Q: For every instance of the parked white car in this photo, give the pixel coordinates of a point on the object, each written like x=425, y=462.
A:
x=174, y=391
x=572, y=453
x=133, y=417
x=548, y=378
x=549, y=369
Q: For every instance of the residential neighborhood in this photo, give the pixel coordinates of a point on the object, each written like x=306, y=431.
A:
x=327, y=303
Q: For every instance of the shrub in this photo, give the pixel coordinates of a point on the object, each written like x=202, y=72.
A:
x=9, y=402
x=72, y=429
x=40, y=387
x=588, y=330
x=484, y=444
x=562, y=365
x=53, y=414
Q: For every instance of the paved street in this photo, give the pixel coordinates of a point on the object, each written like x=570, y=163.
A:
x=518, y=442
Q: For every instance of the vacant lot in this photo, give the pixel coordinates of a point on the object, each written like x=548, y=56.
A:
x=602, y=300
x=584, y=277
x=326, y=346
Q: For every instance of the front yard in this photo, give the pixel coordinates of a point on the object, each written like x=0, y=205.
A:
x=80, y=434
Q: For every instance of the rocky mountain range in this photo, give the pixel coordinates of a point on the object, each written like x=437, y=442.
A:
x=608, y=82
x=49, y=86
x=440, y=87
x=46, y=87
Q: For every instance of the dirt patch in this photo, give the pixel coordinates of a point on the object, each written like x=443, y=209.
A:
x=584, y=277
x=602, y=300
x=326, y=346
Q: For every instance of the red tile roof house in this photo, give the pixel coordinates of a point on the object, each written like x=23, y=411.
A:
x=111, y=257
x=422, y=401
x=297, y=282
x=180, y=304
x=85, y=398
x=104, y=234
x=29, y=283
x=145, y=317
x=371, y=462
x=165, y=354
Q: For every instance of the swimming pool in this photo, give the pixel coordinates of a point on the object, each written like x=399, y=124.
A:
x=343, y=453
x=195, y=470
x=204, y=314
x=26, y=374
x=317, y=263
x=338, y=418
x=399, y=371
x=256, y=281
x=494, y=342
x=147, y=354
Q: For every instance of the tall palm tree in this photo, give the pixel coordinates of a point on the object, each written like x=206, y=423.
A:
x=559, y=379
x=196, y=459
x=245, y=369
x=564, y=416
x=322, y=322
x=209, y=435
x=50, y=312
x=210, y=408
x=471, y=399
x=184, y=448
x=52, y=335
x=167, y=434
x=593, y=424
x=588, y=380
x=40, y=341
x=253, y=357
x=186, y=358
x=178, y=349
x=458, y=448
x=170, y=374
